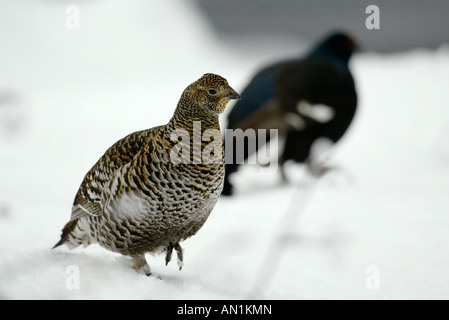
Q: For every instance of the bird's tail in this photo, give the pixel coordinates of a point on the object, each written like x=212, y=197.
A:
x=73, y=234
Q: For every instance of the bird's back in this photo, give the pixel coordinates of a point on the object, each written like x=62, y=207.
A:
x=257, y=92
x=317, y=81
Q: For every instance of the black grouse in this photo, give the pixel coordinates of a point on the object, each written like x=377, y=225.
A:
x=306, y=99
x=155, y=188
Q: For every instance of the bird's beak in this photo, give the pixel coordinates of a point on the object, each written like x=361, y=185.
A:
x=232, y=96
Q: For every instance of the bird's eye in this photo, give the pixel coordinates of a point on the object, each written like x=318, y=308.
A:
x=212, y=91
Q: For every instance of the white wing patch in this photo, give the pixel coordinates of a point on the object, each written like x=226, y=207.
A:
x=295, y=120
x=318, y=112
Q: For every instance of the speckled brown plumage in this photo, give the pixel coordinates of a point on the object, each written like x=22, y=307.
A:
x=136, y=199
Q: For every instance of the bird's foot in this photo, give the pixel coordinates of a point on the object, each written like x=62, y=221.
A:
x=180, y=255
x=320, y=168
x=140, y=265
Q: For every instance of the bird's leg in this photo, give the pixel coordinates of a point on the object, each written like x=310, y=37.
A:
x=169, y=252
x=314, y=167
x=141, y=265
x=284, y=178
x=178, y=249
x=317, y=168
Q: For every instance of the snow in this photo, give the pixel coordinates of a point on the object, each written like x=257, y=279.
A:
x=375, y=229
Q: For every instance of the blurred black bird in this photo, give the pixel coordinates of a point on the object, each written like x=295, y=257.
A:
x=306, y=99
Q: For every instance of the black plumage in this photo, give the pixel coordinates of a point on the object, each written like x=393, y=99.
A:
x=290, y=95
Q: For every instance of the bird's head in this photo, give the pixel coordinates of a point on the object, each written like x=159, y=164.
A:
x=339, y=45
x=212, y=93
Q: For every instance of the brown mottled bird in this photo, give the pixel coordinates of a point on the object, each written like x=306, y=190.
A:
x=156, y=187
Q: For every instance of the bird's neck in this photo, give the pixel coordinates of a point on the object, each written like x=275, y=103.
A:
x=190, y=114
x=198, y=130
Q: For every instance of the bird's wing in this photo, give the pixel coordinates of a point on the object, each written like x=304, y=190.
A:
x=268, y=116
x=307, y=87
x=258, y=94
x=253, y=97
x=316, y=81
x=89, y=199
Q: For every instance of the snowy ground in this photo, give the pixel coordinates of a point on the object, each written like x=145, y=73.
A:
x=376, y=229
